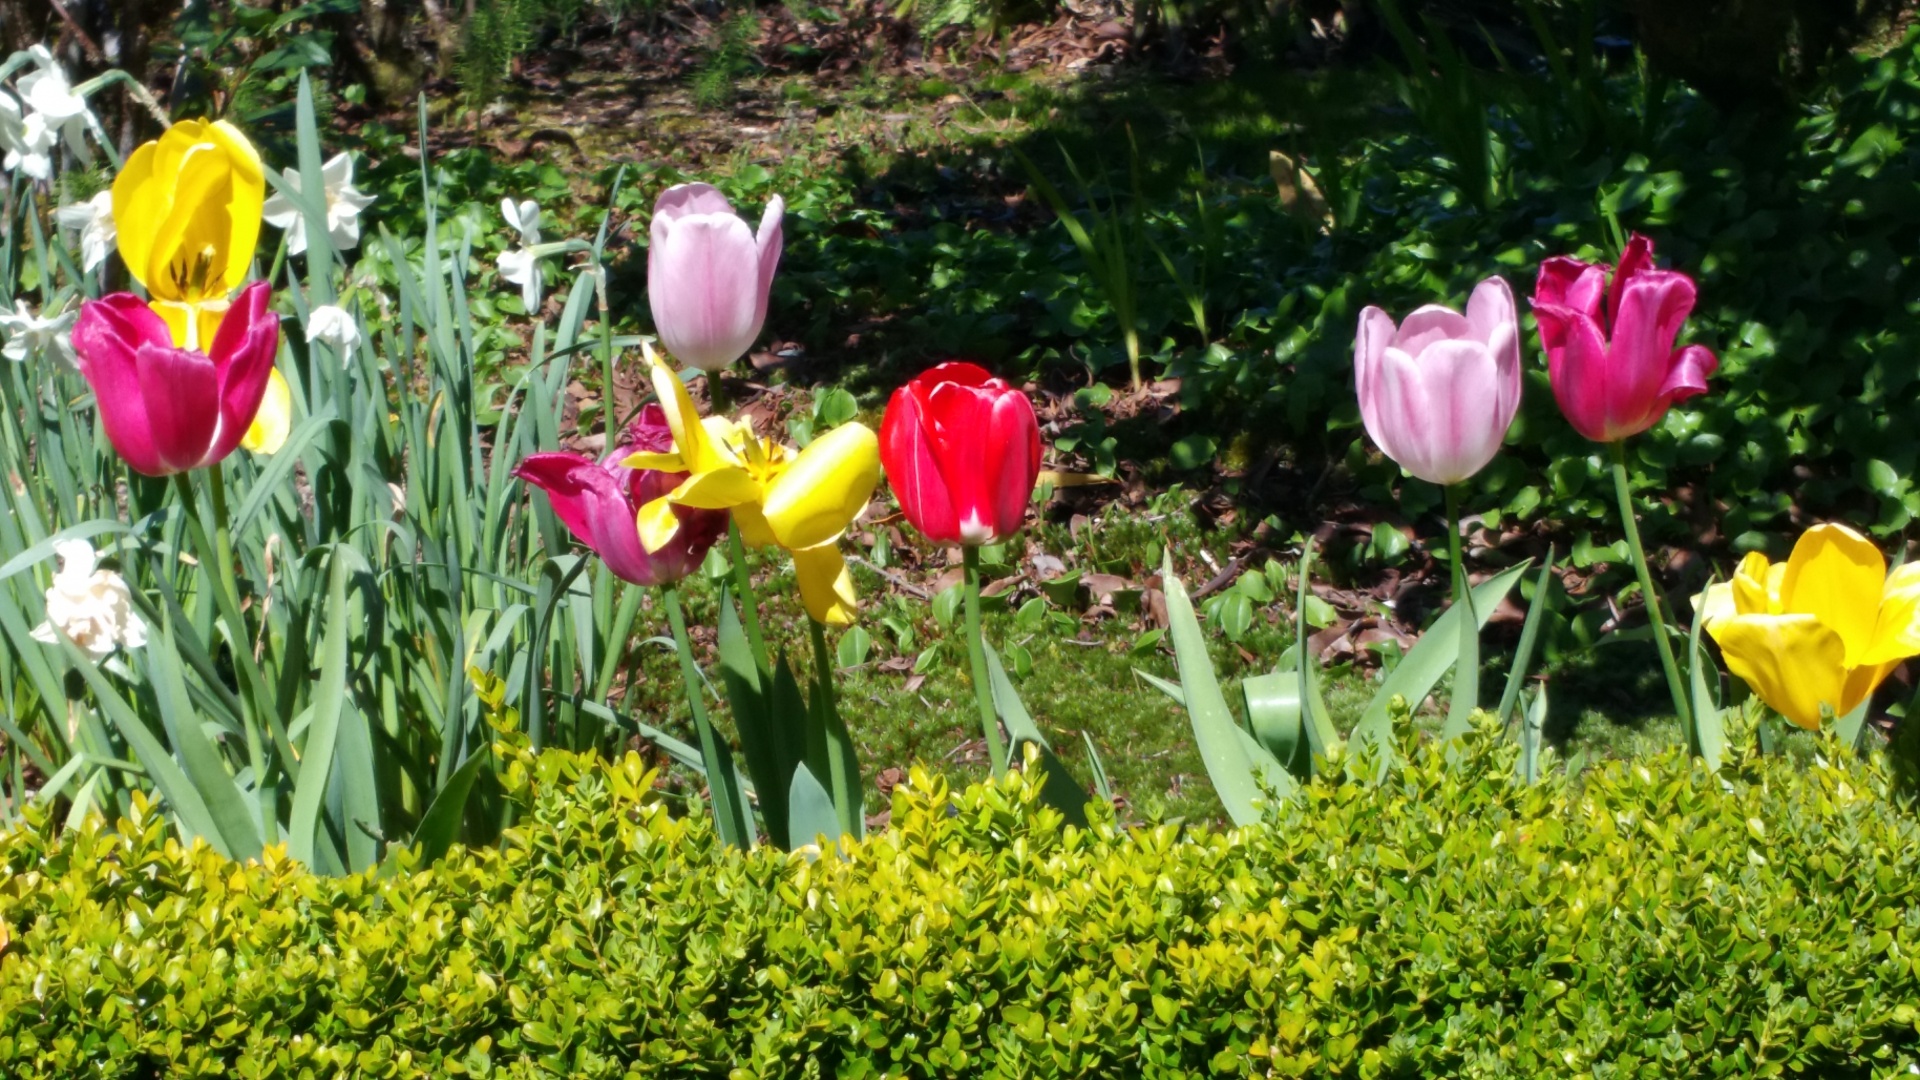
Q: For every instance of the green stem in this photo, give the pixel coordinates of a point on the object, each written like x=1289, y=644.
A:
x=1675, y=684
x=977, y=653
x=717, y=399
x=743, y=584
x=1466, y=674
x=226, y=598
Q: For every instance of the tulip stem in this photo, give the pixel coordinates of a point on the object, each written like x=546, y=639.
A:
x=1466, y=674
x=717, y=401
x=977, y=653
x=1675, y=684
x=729, y=812
x=226, y=598
x=743, y=584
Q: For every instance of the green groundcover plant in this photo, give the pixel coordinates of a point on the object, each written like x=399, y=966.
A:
x=1642, y=919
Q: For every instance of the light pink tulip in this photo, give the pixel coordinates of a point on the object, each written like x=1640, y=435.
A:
x=1609, y=347
x=708, y=276
x=168, y=410
x=1438, y=392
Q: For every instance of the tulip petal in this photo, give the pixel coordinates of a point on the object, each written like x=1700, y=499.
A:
x=1013, y=441
x=1714, y=603
x=106, y=338
x=247, y=188
x=959, y=417
x=139, y=203
x=1687, y=373
x=817, y=496
x=770, y=239
x=912, y=472
x=1754, y=587
x=1652, y=306
x=182, y=392
x=1836, y=575
x=243, y=351
x=657, y=524
x=592, y=502
x=1460, y=427
x=826, y=587
x=1896, y=628
x=717, y=489
x=662, y=462
x=697, y=451
x=273, y=422
x=1429, y=325
x=703, y=284
x=1569, y=283
x=1635, y=260
x=1370, y=345
x=1493, y=318
x=681, y=200
x=1578, y=368
x=1791, y=661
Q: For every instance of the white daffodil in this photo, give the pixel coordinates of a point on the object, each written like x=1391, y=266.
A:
x=89, y=605
x=31, y=150
x=344, y=204
x=522, y=267
x=30, y=335
x=523, y=217
x=333, y=325
x=93, y=220
x=50, y=97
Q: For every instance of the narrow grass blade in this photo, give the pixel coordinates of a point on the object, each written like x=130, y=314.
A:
x=1529, y=636
x=329, y=701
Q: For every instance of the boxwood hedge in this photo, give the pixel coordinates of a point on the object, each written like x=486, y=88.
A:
x=1644, y=920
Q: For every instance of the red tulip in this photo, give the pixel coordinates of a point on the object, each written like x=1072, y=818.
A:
x=962, y=451
x=600, y=502
x=1610, y=353
x=168, y=410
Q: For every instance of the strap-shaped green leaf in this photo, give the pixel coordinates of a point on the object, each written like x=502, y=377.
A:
x=1058, y=787
x=1709, y=733
x=1529, y=635
x=1431, y=657
x=811, y=815
x=1224, y=745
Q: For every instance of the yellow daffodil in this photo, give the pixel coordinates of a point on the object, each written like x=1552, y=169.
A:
x=1820, y=630
x=187, y=214
x=800, y=501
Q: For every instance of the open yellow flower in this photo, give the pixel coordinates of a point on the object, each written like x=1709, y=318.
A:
x=1823, y=629
x=800, y=501
x=187, y=213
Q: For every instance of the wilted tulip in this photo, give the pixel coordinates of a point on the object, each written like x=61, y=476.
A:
x=186, y=209
x=1438, y=392
x=599, y=501
x=801, y=501
x=1610, y=351
x=962, y=452
x=166, y=409
x=1823, y=629
x=708, y=276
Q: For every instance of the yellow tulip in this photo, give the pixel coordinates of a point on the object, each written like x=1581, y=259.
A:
x=271, y=425
x=186, y=208
x=1821, y=630
x=800, y=501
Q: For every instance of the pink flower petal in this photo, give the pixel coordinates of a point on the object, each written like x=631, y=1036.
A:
x=106, y=338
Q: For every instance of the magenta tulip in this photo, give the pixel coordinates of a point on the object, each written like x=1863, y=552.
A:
x=707, y=276
x=1438, y=392
x=601, y=500
x=962, y=451
x=168, y=410
x=1610, y=349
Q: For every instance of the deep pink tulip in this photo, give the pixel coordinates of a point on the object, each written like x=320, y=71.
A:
x=168, y=410
x=1610, y=349
x=1438, y=392
x=600, y=501
x=962, y=451
x=707, y=276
